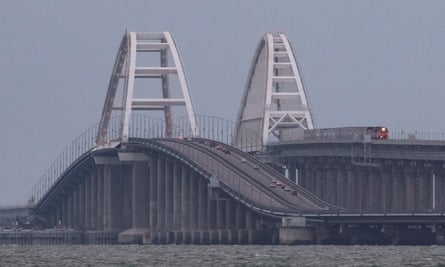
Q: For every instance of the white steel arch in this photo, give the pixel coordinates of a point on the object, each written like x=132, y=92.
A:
x=145, y=46
x=274, y=100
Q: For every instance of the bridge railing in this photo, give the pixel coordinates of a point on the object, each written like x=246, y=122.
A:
x=221, y=130
x=141, y=126
x=146, y=127
x=360, y=134
x=210, y=127
x=73, y=151
x=416, y=135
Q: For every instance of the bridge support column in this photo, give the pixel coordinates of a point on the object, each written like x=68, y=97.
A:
x=76, y=208
x=341, y=186
x=397, y=193
x=185, y=203
x=363, y=188
x=203, y=202
x=211, y=211
x=177, y=196
x=241, y=224
x=194, y=201
x=169, y=196
x=70, y=210
x=58, y=218
x=320, y=180
x=161, y=200
x=65, y=212
x=139, y=211
x=186, y=209
x=81, y=217
x=231, y=221
x=331, y=185
x=352, y=192
x=106, y=217
x=93, y=201
x=425, y=190
x=255, y=236
x=87, y=201
x=153, y=195
x=114, y=197
x=220, y=211
x=126, y=182
x=303, y=177
x=310, y=178
x=386, y=189
x=100, y=198
x=231, y=214
x=410, y=189
x=240, y=221
x=439, y=185
x=374, y=191
x=221, y=218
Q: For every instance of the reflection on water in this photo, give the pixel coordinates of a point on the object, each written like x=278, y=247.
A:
x=175, y=255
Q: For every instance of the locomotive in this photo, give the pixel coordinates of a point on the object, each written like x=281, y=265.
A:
x=348, y=133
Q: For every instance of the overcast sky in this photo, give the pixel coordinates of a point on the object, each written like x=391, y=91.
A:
x=364, y=63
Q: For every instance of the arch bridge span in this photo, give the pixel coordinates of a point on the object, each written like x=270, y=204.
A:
x=184, y=179
x=175, y=191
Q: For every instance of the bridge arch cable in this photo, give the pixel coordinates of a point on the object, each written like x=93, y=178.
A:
x=274, y=101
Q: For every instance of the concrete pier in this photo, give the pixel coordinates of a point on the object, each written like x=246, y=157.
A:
x=371, y=187
x=139, y=210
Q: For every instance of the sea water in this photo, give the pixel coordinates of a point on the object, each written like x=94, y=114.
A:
x=192, y=255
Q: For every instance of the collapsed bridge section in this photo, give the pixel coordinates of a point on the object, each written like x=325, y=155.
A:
x=174, y=191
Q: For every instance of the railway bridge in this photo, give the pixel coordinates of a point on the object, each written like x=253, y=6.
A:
x=173, y=176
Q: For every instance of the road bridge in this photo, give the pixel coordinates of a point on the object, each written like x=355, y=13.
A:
x=375, y=176
x=178, y=177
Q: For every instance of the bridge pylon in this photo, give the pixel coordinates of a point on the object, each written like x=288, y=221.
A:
x=274, y=100
x=147, y=76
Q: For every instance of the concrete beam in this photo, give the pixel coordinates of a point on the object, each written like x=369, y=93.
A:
x=106, y=160
x=132, y=157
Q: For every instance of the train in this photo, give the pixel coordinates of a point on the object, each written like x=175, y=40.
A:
x=348, y=133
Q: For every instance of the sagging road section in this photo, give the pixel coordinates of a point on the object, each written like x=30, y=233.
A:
x=193, y=191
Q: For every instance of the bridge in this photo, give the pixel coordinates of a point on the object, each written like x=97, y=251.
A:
x=154, y=172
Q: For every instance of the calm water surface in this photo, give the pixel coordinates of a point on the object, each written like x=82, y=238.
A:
x=175, y=255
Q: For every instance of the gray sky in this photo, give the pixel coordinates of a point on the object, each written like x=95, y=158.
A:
x=364, y=63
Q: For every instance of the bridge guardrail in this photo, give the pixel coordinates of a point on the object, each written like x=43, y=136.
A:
x=81, y=144
x=211, y=127
x=417, y=135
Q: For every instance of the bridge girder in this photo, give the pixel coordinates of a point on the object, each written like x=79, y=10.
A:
x=274, y=100
x=129, y=68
